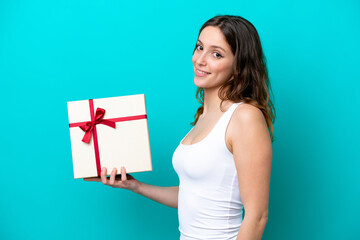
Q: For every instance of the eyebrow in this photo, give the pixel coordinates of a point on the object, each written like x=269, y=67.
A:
x=214, y=46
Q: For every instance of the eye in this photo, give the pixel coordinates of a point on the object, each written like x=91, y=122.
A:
x=198, y=47
x=217, y=55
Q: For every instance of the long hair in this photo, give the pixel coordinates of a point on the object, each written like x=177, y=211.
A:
x=250, y=82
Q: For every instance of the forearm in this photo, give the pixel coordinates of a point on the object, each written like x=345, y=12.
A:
x=164, y=195
x=252, y=228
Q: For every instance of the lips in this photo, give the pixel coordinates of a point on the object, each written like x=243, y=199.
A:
x=200, y=73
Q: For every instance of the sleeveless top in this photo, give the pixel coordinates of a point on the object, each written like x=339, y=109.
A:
x=209, y=203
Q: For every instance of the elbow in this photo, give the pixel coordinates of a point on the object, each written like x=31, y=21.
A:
x=260, y=218
x=264, y=217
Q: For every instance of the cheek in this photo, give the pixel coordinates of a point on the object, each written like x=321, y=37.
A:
x=194, y=58
x=225, y=68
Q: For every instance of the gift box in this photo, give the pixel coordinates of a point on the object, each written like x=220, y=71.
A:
x=109, y=132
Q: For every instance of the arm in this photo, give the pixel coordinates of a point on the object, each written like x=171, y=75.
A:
x=251, y=146
x=164, y=195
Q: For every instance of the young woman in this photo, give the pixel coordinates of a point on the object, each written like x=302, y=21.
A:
x=224, y=162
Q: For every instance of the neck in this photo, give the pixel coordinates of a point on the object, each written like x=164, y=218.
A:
x=212, y=101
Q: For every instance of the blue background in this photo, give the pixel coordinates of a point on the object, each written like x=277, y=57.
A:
x=52, y=52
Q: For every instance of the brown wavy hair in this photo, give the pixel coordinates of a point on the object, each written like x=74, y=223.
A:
x=250, y=82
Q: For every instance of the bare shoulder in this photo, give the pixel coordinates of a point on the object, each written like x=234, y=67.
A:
x=246, y=112
x=247, y=122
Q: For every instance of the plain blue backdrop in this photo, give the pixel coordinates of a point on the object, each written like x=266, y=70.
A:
x=52, y=52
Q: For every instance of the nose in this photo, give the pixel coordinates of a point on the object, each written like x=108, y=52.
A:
x=201, y=59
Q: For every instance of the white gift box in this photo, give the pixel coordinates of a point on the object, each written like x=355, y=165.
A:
x=127, y=144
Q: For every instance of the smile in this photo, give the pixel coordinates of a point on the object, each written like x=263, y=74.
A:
x=200, y=73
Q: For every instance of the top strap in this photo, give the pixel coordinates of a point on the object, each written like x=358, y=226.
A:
x=224, y=121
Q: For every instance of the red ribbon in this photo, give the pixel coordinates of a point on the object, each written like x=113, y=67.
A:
x=90, y=128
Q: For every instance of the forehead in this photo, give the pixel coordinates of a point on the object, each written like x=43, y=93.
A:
x=212, y=35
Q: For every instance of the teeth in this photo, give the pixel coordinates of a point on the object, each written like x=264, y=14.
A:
x=200, y=71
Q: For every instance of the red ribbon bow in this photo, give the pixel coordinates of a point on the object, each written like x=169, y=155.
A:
x=88, y=127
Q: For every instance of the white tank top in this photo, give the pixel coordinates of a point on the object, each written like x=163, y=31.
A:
x=209, y=203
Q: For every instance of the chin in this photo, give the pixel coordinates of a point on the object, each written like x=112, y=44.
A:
x=201, y=83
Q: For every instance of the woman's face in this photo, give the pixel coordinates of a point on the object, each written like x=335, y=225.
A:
x=212, y=59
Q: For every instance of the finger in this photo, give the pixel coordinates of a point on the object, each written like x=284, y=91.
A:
x=123, y=174
x=93, y=179
x=112, y=176
x=103, y=175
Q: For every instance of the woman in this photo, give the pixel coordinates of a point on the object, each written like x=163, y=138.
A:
x=224, y=162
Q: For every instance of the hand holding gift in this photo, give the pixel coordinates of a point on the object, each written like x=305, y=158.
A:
x=125, y=181
x=95, y=143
